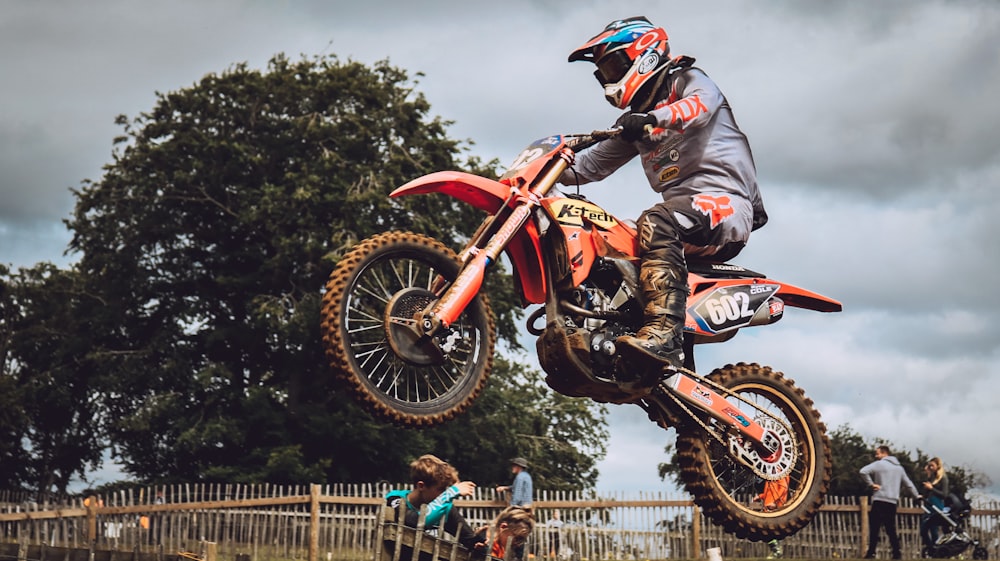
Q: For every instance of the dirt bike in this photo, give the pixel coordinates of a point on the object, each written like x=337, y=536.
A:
x=406, y=326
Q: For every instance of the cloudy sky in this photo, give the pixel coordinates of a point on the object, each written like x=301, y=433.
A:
x=874, y=126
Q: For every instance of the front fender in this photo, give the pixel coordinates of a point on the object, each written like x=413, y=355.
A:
x=484, y=194
x=489, y=195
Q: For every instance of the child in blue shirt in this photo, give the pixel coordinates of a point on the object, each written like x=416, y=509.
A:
x=435, y=484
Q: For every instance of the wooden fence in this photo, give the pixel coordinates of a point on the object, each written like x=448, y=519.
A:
x=338, y=522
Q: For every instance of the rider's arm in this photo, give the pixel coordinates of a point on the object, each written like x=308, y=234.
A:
x=699, y=99
x=599, y=161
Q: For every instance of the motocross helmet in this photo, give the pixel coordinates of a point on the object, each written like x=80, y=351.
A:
x=628, y=54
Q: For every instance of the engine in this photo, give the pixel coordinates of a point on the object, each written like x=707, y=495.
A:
x=604, y=308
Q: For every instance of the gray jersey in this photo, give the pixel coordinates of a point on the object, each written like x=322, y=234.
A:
x=703, y=161
x=891, y=479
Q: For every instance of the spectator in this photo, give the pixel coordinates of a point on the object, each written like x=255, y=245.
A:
x=151, y=522
x=555, y=525
x=887, y=479
x=521, y=489
x=936, y=490
x=512, y=526
x=435, y=484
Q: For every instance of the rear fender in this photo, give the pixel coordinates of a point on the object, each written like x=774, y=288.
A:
x=802, y=298
x=718, y=306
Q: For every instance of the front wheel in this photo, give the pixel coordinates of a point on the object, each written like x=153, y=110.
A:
x=373, y=296
x=730, y=491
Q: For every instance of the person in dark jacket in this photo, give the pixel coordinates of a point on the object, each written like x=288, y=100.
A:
x=936, y=490
x=887, y=479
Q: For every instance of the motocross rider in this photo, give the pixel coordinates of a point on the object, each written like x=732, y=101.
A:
x=696, y=158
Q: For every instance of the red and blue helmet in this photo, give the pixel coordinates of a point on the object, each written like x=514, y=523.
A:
x=628, y=53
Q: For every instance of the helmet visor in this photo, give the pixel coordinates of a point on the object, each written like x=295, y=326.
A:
x=612, y=67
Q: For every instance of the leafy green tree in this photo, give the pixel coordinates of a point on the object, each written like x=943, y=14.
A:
x=208, y=240
x=563, y=438
x=50, y=426
x=14, y=419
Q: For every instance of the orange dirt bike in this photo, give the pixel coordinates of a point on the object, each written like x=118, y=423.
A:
x=406, y=325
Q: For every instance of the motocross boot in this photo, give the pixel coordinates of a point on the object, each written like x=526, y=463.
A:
x=660, y=341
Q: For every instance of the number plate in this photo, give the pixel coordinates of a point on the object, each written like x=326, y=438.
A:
x=731, y=307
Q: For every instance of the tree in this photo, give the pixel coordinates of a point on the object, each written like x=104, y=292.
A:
x=14, y=419
x=51, y=428
x=209, y=238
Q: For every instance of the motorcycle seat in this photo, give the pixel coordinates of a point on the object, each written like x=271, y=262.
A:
x=718, y=269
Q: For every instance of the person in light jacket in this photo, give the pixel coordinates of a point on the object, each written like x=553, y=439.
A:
x=887, y=479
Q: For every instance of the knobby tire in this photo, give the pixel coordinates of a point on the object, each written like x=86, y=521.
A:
x=726, y=490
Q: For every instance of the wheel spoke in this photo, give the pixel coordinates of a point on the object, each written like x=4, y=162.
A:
x=372, y=316
x=404, y=382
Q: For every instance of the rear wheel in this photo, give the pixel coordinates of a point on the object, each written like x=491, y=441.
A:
x=373, y=299
x=728, y=489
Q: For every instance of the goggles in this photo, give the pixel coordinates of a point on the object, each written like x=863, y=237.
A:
x=612, y=67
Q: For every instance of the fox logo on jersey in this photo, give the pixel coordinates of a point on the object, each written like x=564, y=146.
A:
x=715, y=206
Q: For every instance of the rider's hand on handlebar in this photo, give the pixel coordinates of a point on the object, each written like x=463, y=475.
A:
x=634, y=125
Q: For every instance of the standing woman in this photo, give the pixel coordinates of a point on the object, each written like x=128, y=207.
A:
x=936, y=493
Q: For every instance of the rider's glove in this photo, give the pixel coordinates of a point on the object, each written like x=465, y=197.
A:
x=634, y=125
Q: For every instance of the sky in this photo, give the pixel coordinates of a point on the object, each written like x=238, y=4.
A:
x=874, y=127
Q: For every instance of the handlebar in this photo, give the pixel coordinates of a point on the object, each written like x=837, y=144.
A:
x=578, y=142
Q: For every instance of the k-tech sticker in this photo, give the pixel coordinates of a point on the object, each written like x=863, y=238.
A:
x=732, y=306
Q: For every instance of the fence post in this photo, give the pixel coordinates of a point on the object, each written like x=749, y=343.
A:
x=863, y=507
x=91, y=504
x=695, y=532
x=314, y=522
